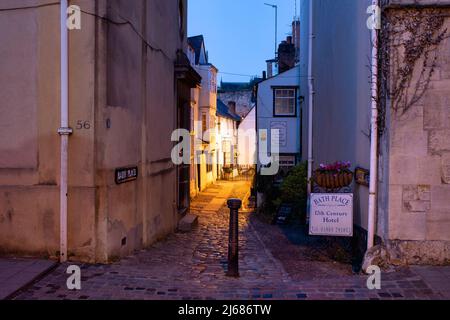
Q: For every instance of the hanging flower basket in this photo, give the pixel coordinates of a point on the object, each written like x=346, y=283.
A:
x=334, y=176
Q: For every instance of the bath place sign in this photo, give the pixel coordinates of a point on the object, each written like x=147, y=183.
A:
x=331, y=214
x=126, y=175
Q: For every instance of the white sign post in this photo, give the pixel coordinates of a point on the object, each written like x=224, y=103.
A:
x=331, y=214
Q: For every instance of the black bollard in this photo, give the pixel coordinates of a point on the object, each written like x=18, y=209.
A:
x=233, y=242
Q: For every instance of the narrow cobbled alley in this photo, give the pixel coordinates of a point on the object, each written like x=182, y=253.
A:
x=192, y=266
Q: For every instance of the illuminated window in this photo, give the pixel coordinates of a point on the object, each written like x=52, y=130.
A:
x=204, y=123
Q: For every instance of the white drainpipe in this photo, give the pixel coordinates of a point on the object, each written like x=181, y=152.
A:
x=373, y=140
x=311, y=96
x=64, y=131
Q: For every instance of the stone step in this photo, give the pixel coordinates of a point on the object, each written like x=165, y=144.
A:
x=188, y=222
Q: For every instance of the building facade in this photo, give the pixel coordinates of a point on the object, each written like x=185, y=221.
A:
x=247, y=140
x=413, y=210
x=278, y=108
x=204, y=110
x=242, y=94
x=227, y=140
x=129, y=90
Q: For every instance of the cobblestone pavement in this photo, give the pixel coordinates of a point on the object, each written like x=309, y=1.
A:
x=192, y=266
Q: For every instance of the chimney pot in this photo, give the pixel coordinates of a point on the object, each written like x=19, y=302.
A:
x=269, y=69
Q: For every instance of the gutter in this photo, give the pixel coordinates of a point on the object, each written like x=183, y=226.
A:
x=311, y=97
x=64, y=131
x=373, y=140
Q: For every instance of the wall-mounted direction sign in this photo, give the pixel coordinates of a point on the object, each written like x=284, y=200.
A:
x=126, y=174
x=331, y=214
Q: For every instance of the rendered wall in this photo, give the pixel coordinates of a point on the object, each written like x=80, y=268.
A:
x=30, y=151
x=265, y=109
x=130, y=104
x=341, y=118
x=247, y=139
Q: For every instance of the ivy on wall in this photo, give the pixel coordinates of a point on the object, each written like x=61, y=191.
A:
x=409, y=43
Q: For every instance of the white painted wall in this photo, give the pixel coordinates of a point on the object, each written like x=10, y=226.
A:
x=226, y=133
x=264, y=110
x=247, y=139
x=206, y=104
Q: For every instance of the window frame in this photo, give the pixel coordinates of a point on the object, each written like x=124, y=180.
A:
x=288, y=155
x=204, y=123
x=274, y=90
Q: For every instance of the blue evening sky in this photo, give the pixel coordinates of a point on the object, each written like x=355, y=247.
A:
x=240, y=34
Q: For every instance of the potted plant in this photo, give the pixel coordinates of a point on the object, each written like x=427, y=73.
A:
x=228, y=171
x=334, y=176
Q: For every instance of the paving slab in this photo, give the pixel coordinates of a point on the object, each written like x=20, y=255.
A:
x=16, y=273
x=437, y=278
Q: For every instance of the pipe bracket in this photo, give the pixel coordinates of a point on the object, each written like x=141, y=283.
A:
x=65, y=131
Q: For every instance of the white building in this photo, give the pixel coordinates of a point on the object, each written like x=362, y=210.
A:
x=227, y=140
x=203, y=119
x=278, y=108
x=247, y=140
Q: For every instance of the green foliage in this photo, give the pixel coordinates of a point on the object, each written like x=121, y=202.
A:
x=266, y=186
x=293, y=190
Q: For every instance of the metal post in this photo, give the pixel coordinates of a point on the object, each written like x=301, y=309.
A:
x=64, y=131
x=276, y=32
x=276, y=26
x=233, y=241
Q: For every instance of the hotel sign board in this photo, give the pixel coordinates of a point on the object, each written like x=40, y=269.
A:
x=331, y=214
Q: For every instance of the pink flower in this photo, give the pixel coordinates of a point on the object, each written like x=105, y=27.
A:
x=337, y=166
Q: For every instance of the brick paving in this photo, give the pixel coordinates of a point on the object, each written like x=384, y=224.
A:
x=192, y=266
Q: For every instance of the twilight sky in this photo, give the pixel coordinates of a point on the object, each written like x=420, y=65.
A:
x=240, y=34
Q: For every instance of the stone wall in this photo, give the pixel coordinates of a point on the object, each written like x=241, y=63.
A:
x=416, y=179
x=242, y=98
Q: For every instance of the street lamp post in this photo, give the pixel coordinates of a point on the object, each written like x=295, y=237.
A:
x=276, y=25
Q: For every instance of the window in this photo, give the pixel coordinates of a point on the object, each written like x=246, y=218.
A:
x=209, y=165
x=212, y=82
x=226, y=146
x=204, y=123
x=192, y=118
x=287, y=161
x=285, y=103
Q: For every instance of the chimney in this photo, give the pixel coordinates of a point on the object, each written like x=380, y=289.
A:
x=232, y=106
x=296, y=38
x=286, y=55
x=269, y=69
x=264, y=75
